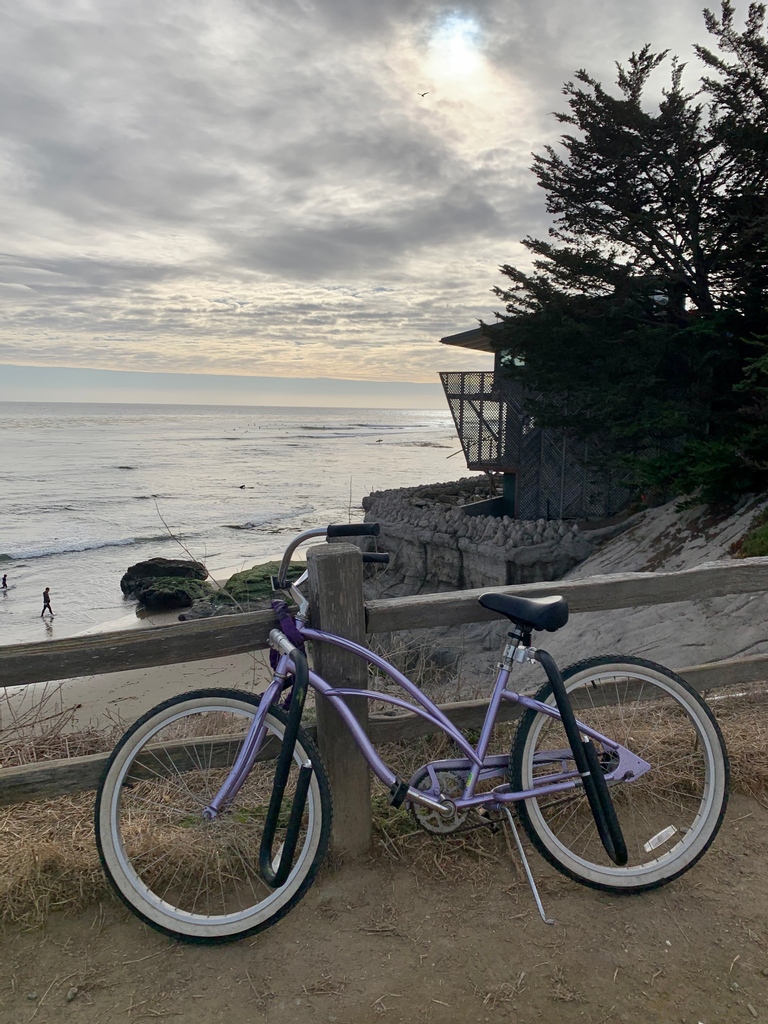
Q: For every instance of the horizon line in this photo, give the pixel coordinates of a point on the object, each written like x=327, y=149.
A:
x=59, y=384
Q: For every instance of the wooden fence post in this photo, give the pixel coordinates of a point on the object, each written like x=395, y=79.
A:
x=336, y=603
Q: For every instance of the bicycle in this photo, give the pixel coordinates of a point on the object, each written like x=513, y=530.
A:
x=213, y=815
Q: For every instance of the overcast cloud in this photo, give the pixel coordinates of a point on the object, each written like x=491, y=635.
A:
x=224, y=186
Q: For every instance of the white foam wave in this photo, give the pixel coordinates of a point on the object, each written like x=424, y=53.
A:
x=65, y=547
x=271, y=518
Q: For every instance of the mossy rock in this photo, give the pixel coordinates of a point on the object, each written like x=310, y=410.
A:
x=160, y=568
x=253, y=587
x=160, y=593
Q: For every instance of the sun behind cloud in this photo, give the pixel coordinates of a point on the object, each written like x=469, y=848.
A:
x=455, y=49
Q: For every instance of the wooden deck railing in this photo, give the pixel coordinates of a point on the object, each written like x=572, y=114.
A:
x=338, y=606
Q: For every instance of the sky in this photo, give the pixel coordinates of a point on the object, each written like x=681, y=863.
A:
x=283, y=189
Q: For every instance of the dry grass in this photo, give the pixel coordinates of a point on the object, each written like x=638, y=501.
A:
x=743, y=719
x=436, y=665
x=48, y=858
x=36, y=726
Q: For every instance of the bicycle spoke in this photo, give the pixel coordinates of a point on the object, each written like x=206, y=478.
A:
x=659, y=719
x=162, y=853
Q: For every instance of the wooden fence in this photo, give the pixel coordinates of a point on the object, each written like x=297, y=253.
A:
x=335, y=588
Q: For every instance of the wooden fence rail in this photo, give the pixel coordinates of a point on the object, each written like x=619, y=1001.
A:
x=23, y=664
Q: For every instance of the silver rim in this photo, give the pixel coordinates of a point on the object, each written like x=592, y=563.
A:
x=190, y=876
x=669, y=815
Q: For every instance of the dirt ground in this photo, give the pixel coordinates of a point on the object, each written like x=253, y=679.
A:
x=398, y=941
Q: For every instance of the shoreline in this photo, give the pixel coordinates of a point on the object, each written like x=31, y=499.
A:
x=145, y=620
x=103, y=701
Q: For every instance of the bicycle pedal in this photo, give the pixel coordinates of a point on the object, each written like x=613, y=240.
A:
x=398, y=793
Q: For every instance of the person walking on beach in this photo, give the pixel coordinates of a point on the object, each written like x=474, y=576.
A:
x=46, y=603
x=5, y=581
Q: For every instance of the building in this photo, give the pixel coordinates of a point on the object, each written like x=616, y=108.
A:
x=546, y=473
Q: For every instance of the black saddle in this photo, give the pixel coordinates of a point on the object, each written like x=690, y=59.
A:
x=549, y=613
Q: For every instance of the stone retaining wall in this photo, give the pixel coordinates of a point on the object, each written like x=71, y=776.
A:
x=434, y=545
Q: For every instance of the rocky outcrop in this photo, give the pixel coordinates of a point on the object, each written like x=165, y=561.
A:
x=163, y=593
x=155, y=567
x=246, y=591
x=435, y=545
x=660, y=539
x=160, y=584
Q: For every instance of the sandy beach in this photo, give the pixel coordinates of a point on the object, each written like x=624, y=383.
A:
x=102, y=700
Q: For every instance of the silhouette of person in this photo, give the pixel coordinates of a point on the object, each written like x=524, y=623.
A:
x=46, y=603
x=5, y=581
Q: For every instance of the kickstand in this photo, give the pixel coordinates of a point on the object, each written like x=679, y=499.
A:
x=528, y=872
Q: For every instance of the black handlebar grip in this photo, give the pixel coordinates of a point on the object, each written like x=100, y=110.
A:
x=353, y=530
x=373, y=556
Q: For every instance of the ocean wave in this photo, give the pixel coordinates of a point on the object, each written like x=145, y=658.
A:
x=328, y=435
x=344, y=429
x=66, y=547
x=270, y=520
x=355, y=426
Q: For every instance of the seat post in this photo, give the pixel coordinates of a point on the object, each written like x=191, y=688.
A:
x=521, y=635
x=518, y=636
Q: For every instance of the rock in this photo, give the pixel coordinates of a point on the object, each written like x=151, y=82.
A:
x=161, y=567
x=246, y=591
x=204, y=609
x=252, y=588
x=162, y=593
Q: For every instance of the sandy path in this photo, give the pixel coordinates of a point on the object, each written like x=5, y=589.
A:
x=399, y=942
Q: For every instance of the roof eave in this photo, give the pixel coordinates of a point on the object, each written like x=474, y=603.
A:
x=475, y=339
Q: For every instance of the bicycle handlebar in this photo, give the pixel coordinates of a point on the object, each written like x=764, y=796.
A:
x=344, y=530
x=353, y=530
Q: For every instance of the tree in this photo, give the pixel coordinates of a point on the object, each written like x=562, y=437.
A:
x=640, y=312
x=738, y=124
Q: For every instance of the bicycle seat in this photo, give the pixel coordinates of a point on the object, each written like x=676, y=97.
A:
x=549, y=613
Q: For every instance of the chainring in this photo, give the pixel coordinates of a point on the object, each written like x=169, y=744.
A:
x=451, y=785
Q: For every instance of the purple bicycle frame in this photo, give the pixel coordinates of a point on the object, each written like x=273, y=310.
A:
x=629, y=765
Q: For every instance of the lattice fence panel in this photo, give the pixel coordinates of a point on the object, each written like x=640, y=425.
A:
x=485, y=416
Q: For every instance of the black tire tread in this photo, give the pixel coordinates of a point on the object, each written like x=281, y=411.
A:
x=515, y=771
x=326, y=809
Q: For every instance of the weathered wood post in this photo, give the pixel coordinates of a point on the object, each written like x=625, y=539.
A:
x=336, y=604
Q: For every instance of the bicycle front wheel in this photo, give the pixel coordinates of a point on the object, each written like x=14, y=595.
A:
x=669, y=816
x=190, y=877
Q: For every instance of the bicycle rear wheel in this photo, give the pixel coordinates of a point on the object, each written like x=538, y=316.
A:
x=669, y=816
x=184, y=875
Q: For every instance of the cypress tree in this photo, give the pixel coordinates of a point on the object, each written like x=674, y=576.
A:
x=644, y=312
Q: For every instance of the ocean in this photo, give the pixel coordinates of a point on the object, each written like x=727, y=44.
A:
x=89, y=489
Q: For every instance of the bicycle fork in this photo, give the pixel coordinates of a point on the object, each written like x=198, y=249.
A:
x=274, y=869
x=275, y=877
x=588, y=766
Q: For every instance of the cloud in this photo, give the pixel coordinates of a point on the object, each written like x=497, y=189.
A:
x=204, y=187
